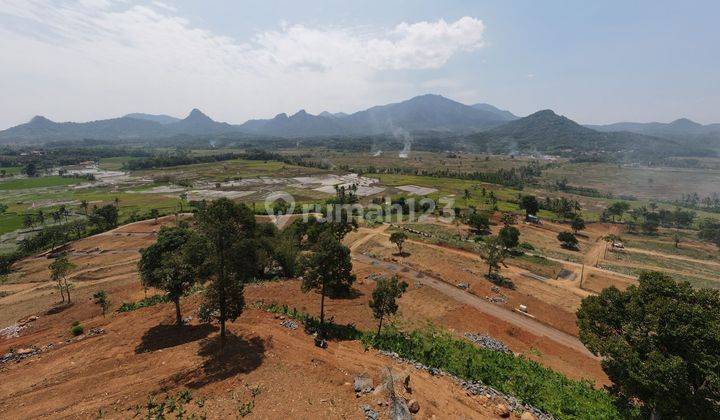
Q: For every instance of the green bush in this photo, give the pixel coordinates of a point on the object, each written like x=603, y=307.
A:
x=76, y=330
x=526, y=246
x=525, y=379
x=75, y=323
x=144, y=303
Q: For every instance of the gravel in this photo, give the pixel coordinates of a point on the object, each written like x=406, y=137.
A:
x=488, y=342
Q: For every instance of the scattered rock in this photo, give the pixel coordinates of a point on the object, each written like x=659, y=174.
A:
x=413, y=406
x=488, y=342
x=291, y=325
x=363, y=384
x=369, y=413
x=23, y=352
x=502, y=410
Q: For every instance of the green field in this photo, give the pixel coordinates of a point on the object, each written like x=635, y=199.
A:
x=45, y=181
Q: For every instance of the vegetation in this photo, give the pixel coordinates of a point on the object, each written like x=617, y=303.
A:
x=567, y=240
x=327, y=269
x=174, y=263
x=77, y=330
x=398, y=238
x=143, y=303
x=228, y=229
x=527, y=380
x=384, y=298
x=59, y=271
x=100, y=299
x=660, y=345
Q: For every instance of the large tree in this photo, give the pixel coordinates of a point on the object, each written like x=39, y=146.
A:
x=509, y=237
x=660, y=345
x=398, y=238
x=173, y=263
x=327, y=268
x=530, y=204
x=494, y=254
x=229, y=230
x=384, y=298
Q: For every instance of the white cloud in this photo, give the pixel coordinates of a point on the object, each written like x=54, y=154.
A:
x=96, y=58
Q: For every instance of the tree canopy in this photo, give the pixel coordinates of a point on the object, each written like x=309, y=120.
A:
x=660, y=344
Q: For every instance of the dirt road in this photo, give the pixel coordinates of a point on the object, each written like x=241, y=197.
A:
x=522, y=321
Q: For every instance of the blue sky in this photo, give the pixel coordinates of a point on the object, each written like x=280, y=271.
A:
x=595, y=62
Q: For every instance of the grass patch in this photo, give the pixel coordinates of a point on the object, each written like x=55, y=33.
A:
x=143, y=303
x=41, y=182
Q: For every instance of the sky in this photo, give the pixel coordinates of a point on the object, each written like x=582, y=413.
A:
x=594, y=62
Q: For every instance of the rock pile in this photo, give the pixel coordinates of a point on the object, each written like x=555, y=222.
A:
x=369, y=413
x=291, y=325
x=488, y=342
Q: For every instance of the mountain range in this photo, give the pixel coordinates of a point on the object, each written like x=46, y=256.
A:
x=421, y=113
x=481, y=125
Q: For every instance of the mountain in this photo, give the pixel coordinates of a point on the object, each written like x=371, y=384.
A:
x=421, y=113
x=159, y=118
x=678, y=128
x=501, y=113
x=300, y=124
x=197, y=123
x=547, y=132
x=43, y=129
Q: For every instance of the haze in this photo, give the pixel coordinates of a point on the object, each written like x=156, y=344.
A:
x=602, y=63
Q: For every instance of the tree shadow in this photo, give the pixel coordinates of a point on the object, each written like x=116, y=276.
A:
x=165, y=336
x=344, y=293
x=238, y=355
x=401, y=254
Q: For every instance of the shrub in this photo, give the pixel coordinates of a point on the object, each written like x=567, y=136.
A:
x=525, y=379
x=77, y=330
x=526, y=246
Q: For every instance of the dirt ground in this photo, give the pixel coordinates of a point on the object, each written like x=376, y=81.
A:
x=141, y=354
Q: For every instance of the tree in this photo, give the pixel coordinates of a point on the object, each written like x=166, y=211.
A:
x=328, y=267
x=28, y=220
x=3, y=208
x=84, y=205
x=567, y=240
x=509, y=237
x=384, y=298
x=480, y=222
x=100, y=299
x=577, y=224
x=31, y=170
x=660, y=345
x=154, y=213
x=677, y=239
x=508, y=219
x=59, y=270
x=618, y=208
x=494, y=254
x=530, y=204
x=228, y=229
x=398, y=238
x=173, y=263
x=105, y=217
x=466, y=195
